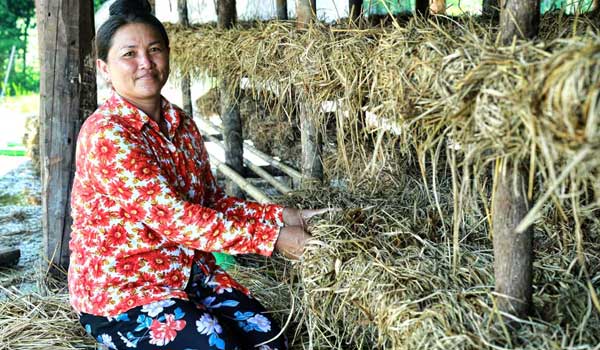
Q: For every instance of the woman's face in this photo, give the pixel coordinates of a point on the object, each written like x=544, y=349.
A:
x=137, y=65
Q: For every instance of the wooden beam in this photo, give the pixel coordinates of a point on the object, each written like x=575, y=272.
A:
x=234, y=176
x=282, y=10
x=293, y=173
x=186, y=94
x=226, y=14
x=9, y=256
x=255, y=168
x=67, y=97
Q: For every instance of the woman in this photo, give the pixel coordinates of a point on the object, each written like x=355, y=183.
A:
x=147, y=213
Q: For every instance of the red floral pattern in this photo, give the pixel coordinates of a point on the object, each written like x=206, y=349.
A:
x=144, y=206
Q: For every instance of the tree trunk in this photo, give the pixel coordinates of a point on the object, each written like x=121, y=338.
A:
x=422, y=7
x=355, y=9
x=595, y=6
x=437, y=7
x=306, y=12
x=513, y=252
x=230, y=109
x=282, y=10
x=490, y=9
x=68, y=96
x=520, y=19
x=186, y=95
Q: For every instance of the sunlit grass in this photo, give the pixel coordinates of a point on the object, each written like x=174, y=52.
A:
x=27, y=104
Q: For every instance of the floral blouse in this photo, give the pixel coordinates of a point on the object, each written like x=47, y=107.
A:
x=145, y=206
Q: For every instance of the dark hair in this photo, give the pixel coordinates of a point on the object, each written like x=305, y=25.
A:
x=124, y=12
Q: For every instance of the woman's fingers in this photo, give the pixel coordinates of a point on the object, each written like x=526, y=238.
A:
x=309, y=213
x=291, y=241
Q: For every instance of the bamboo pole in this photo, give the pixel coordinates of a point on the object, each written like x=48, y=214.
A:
x=239, y=180
x=255, y=168
x=293, y=173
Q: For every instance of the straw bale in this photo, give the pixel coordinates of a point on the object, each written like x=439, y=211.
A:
x=379, y=275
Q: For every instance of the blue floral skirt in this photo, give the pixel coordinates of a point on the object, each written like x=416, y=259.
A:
x=215, y=317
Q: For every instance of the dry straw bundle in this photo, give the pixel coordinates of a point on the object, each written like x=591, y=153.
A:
x=380, y=276
x=42, y=320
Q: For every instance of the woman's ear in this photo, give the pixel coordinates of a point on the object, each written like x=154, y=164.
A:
x=103, y=69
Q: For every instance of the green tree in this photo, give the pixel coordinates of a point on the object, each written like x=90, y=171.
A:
x=16, y=18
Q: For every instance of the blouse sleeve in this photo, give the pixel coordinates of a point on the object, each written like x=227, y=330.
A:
x=121, y=166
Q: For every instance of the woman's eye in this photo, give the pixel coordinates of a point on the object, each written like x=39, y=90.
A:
x=128, y=54
x=155, y=49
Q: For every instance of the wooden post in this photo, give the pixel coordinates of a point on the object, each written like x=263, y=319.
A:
x=67, y=97
x=312, y=167
x=230, y=109
x=282, y=10
x=437, y=7
x=422, y=7
x=520, y=19
x=355, y=10
x=513, y=252
x=490, y=9
x=306, y=12
x=186, y=94
x=595, y=6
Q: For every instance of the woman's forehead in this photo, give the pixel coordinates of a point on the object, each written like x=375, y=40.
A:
x=135, y=34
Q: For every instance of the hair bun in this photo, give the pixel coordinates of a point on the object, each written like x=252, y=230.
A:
x=130, y=7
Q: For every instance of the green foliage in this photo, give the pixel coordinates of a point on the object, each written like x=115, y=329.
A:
x=98, y=3
x=16, y=18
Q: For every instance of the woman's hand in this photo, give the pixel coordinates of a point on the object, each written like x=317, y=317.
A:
x=291, y=241
x=298, y=217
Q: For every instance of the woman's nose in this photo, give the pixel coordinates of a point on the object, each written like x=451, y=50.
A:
x=145, y=60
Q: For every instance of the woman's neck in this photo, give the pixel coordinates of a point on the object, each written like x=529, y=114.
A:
x=149, y=106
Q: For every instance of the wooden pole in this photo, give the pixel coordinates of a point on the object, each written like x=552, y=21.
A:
x=186, y=94
x=355, y=10
x=306, y=12
x=230, y=109
x=67, y=97
x=519, y=19
x=422, y=7
x=490, y=9
x=282, y=10
x=513, y=252
x=312, y=167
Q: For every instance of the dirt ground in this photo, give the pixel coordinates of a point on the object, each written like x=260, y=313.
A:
x=21, y=226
